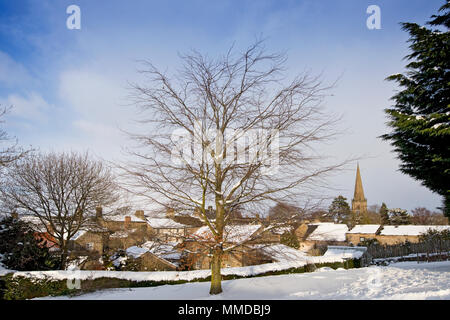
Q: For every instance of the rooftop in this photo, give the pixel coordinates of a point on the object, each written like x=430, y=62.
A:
x=365, y=228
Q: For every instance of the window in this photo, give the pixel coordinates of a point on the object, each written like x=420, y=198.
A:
x=362, y=239
x=90, y=246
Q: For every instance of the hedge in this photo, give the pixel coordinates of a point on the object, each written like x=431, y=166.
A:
x=21, y=288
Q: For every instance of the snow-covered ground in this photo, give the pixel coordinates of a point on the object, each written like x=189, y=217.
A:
x=404, y=280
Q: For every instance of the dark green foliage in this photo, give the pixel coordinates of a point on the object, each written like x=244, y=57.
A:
x=20, y=288
x=435, y=235
x=384, y=214
x=21, y=250
x=290, y=239
x=420, y=117
x=339, y=210
x=399, y=217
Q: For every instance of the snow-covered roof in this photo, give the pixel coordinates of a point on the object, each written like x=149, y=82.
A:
x=365, y=228
x=232, y=233
x=136, y=252
x=328, y=231
x=410, y=230
x=282, y=253
x=281, y=230
x=78, y=234
x=345, y=252
x=163, y=250
x=164, y=223
x=122, y=218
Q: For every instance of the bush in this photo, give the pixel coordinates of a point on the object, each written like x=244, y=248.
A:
x=290, y=239
x=21, y=250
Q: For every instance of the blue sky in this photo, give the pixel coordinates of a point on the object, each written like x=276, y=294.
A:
x=69, y=87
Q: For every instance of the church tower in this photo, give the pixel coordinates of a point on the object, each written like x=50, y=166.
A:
x=359, y=202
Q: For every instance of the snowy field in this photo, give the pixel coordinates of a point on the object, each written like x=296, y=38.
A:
x=404, y=280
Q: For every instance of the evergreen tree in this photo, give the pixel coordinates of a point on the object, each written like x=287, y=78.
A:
x=399, y=217
x=384, y=214
x=339, y=210
x=420, y=118
x=21, y=250
x=289, y=239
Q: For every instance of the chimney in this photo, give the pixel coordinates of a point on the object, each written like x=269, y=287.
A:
x=127, y=222
x=99, y=212
x=210, y=210
x=170, y=212
x=197, y=212
x=140, y=214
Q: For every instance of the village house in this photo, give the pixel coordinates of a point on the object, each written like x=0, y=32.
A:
x=120, y=222
x=390, y=235
x=362, y=232
x=167, y=230
x=321, y=234
x=237, y=243
x=144, y=260
x=91, y=239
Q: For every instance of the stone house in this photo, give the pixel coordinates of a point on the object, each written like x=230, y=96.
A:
x=362, y=232
x=239, y=252
x=121, y=222
x=390, y=235
x=147, y=261
x=167, y=230
x=321, y=234
x=92, y=239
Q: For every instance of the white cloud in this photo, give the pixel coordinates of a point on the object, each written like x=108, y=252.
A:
x=11, y=72
x=31, y=106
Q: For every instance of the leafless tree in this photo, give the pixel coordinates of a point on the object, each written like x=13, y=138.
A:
x=10, y=151
x=231, y=132
x=61, y=189
x=423, y=216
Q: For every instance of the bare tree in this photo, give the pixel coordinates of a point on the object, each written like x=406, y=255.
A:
x=10, y=151
x=229, y=132
x=61, y=189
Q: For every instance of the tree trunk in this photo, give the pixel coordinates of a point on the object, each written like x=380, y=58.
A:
x=64, y=254
x=216, y=277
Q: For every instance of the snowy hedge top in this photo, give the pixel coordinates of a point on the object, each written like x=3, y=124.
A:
x=410, y=230
x=365, y=228
x=328, y=231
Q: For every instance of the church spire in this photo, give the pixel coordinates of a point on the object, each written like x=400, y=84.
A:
x=359, y=202
x=359, y=191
